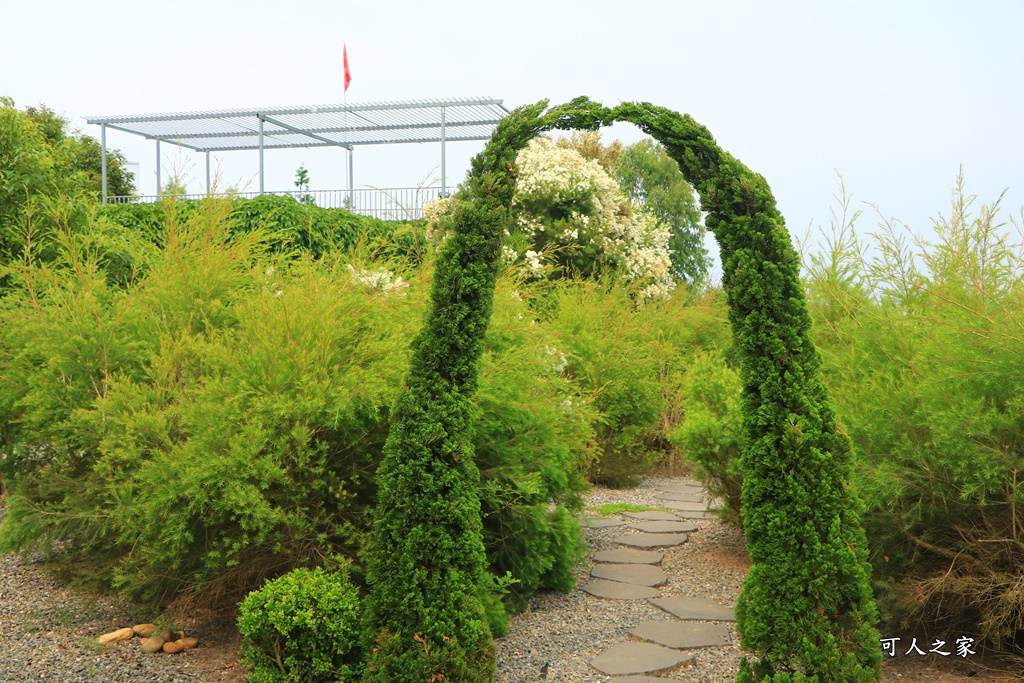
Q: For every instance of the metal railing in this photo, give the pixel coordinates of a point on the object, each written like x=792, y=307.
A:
x=395, y=203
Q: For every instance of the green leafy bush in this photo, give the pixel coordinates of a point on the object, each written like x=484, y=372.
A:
x=711, y=435
x=302, y=627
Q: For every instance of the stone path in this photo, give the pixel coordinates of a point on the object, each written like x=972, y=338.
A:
x=631, y=573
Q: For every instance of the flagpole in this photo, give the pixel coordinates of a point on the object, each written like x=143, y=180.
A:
x=344, y=104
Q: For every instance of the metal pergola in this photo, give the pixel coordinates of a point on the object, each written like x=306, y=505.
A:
x=345, y=126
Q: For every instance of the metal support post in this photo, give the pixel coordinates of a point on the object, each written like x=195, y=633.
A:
x=159, y=190
x=351, y=205
x=261, y=155
x=207, y=173
x=103, y=159
x=443, y=187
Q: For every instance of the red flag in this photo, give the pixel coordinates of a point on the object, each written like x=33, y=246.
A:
x=348, y=74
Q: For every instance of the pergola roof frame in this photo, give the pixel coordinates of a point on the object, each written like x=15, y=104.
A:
x=315, y=126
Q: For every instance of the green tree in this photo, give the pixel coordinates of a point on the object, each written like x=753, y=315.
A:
x=652, y=180
x=83, y=154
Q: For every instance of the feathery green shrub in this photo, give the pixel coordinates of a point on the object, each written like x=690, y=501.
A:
x=218, y=421
x=710, y=437
x=922, y=348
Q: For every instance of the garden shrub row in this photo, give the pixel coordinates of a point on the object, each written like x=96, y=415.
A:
x=220, y=420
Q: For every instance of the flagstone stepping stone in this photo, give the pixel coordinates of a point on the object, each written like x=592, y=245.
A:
x=680, y=488
x=684, y=497
x=636, y=574
x=625, y=556
x=683, y=635
x=695, y=608
x=600, y=522
x=645, y=540
x=664, y=527
x=693, y=514
x=685, y=506
x=652, y=515
x=616, y=590
x=638, y=658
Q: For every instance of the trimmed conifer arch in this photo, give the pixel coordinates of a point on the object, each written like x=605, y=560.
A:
x=806, y=610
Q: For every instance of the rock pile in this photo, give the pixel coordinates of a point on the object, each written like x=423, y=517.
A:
x=153, y=639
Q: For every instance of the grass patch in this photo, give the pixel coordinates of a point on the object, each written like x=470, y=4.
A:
x=616, y=508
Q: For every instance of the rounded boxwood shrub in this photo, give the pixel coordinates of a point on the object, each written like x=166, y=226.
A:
x=302, y=627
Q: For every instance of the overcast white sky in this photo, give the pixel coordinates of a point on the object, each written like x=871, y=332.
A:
x=895, y=95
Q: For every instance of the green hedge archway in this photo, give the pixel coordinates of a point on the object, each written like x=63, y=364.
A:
x=806, y=611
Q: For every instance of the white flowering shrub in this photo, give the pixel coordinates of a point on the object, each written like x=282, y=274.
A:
x=382, y=280
x=575, y=216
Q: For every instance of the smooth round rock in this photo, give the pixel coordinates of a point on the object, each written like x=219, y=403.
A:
x=173, y=647
x=627, y=556
x=187, y=643
x=638, y=658
x=144, y=630
x=151, y=645
x=675, y=527
x=643, y=540
x=701, y=609
x=116, y=636
x=635, y=574
x=683, y=635
x=615, y=590
x=652, y=515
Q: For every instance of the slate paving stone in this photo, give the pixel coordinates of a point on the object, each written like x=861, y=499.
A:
x=600, y=522
x=652, y=515
x=666, y=527
x=691, y=514
x=625, y=556
x=683, y=635
x=645, y=540
x=616, y=590
x=638, y=658
x=685, y=506
x=680, y=488
x=635, y=574
x=685, y=497
x=701, y=609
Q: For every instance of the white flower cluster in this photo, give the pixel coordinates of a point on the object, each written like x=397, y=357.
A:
x=379, y=280
x=270, y=284
x=560, y=361
x=432, y=211
x=534, y=258
x=550, y=175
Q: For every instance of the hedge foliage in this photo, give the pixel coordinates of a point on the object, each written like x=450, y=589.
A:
x=303, y=627
x=807, y=608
